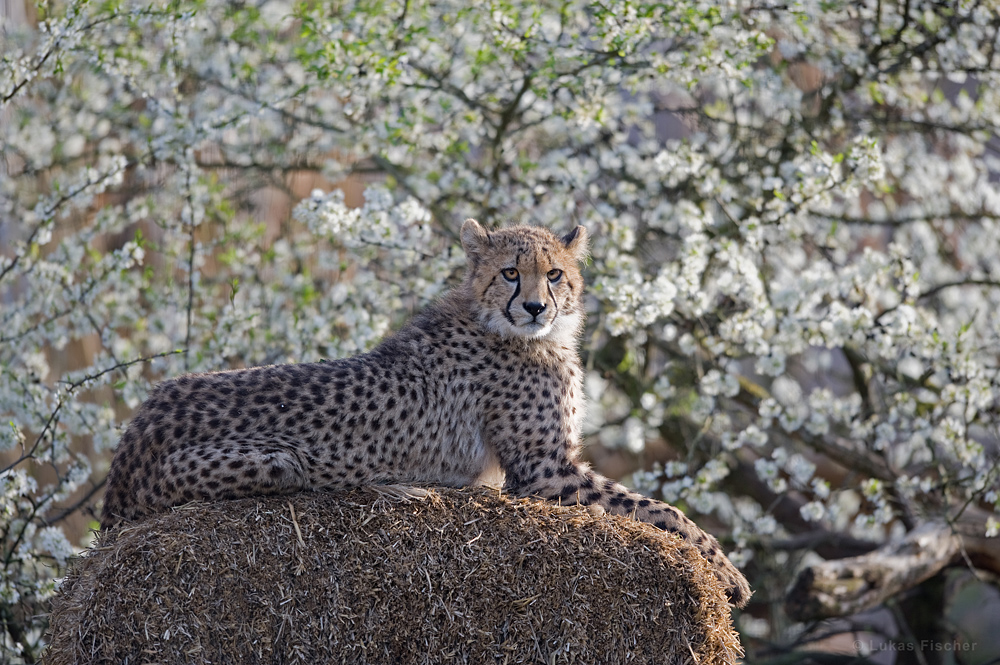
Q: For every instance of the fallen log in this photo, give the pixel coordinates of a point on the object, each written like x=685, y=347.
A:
x=847, y=586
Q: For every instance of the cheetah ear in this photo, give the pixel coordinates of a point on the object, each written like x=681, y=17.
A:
x=474, y=238
x=576, y=242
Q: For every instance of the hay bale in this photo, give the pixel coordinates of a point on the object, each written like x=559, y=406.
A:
x=374, y=576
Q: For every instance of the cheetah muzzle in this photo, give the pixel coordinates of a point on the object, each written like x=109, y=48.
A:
x=489, y=376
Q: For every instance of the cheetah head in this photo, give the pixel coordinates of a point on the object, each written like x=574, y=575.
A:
x=526, y=280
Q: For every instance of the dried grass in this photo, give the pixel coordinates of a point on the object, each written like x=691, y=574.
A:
x=390, y=576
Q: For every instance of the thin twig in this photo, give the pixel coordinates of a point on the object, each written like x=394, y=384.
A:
x=71, y=387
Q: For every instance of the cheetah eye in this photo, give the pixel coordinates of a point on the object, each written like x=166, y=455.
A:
x=554, y=275
x=510, y=274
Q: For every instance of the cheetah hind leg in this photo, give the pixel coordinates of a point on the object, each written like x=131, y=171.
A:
x=232, y=470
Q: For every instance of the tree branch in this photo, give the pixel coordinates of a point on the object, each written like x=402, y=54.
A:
x=82, y=501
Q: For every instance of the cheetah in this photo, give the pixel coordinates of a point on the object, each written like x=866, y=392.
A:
x=488, y=378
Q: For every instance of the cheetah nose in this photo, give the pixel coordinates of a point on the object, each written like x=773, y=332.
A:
x=534, y=308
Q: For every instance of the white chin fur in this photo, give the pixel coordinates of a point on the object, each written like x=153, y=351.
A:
x=564, y=328
x=533, y=331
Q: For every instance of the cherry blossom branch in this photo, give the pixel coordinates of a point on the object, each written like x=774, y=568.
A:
x=66, y=393
x=912, y=219
x=934, y=290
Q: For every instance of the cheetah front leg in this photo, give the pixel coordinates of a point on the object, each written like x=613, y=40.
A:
x=574, y=483
x=547, y=470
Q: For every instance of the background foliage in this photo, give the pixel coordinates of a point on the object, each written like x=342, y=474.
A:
x=795, y=283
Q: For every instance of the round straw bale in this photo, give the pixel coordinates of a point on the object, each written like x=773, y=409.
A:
x=390, y=575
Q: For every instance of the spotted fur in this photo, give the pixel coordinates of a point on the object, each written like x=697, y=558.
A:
x=488, y=377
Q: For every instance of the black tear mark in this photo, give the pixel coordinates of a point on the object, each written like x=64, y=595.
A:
x=555, y=303
x=517, y=291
